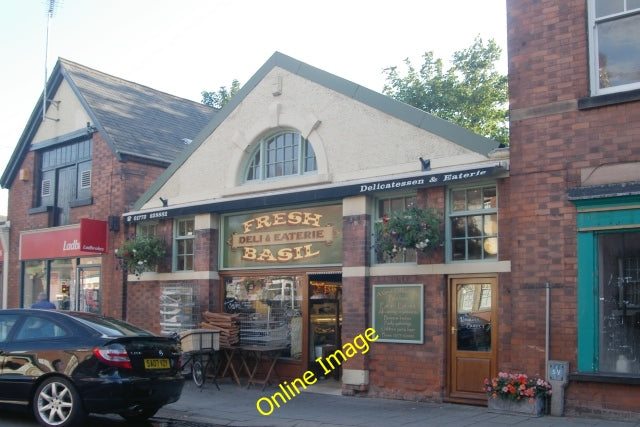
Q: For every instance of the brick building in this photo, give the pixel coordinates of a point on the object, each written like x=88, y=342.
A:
x=80, y=163
x=293, y=209
x=574, y=188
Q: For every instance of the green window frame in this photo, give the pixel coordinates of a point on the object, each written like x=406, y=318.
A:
x=472, y=223
x=600, y=220
x=184, y=237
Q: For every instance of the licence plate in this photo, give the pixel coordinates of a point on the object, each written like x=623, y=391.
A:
x=156, y=364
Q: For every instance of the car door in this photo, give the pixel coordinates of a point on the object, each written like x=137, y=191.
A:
x=27, y=355
x=7, y=324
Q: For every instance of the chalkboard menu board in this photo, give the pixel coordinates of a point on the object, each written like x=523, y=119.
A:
x=398, y=313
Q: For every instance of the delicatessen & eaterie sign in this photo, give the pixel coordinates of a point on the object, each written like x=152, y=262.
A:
x=318, y=193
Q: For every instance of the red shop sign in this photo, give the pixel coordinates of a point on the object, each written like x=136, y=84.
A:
x=93, y=235
x=64, y=242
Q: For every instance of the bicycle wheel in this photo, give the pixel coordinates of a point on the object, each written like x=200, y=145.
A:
x=198, y=371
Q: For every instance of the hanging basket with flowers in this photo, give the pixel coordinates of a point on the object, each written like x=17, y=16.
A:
x=415, y=228
x=140, y=253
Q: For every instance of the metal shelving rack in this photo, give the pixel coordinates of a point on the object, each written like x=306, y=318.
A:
x=179, y=310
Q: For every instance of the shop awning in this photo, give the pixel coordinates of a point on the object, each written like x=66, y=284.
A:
x=604, y=191
x=325, y=276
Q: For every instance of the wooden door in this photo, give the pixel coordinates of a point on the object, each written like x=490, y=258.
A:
x=65, y=194
x=472, y=337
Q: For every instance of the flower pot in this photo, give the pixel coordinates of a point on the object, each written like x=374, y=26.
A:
x=517, y=407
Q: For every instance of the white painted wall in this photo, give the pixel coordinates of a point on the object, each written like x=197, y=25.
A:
x=70, y=114
x=351, y=140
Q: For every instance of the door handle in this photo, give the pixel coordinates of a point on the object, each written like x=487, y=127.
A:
x=453, y=330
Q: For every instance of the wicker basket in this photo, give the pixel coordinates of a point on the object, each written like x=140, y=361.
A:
x=200, y=340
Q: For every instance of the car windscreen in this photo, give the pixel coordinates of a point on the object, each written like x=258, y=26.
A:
x=111, y=327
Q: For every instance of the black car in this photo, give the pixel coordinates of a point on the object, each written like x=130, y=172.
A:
x=65, y=365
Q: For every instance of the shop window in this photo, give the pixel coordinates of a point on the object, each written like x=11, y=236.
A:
x=473, y=223
x=608, y=293
x=386, y=207
x=184, y=244
x=65, y=178
x=281, y=155
x=70, y=283
x=147, y=228
x=35, y=281
x=614, y=46
x=270, y=309
x=619, y=300
x=89, y=287
x=325, y=319
x=61, y=282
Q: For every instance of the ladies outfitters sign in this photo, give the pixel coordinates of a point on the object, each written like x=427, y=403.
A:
x=292, y=237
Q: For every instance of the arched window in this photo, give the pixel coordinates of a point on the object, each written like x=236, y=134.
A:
x=283, y=154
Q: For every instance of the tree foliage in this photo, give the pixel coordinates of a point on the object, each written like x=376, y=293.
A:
x=220, y=98
x=471, y=93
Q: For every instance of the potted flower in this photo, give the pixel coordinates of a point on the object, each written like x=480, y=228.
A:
x=141, y=253
x=517, y=393
x=415, y=228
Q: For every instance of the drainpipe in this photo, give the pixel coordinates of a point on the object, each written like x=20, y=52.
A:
x=4, y=238
x=546, y=344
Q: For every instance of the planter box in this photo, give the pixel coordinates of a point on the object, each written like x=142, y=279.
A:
x=517, y=407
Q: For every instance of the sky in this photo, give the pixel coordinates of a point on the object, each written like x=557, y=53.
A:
x=189, y=46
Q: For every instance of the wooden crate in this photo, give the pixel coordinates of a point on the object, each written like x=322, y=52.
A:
x=200, y=340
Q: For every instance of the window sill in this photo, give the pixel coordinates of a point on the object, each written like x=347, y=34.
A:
x=611, y=378
x=608, y=99
x=81, y=202
x=40, y=209
x=74, y=204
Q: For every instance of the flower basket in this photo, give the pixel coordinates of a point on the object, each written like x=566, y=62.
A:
x=517, y=394
x=140, y=253
x=415, y=228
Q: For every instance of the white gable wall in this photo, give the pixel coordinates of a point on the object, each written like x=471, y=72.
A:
x=64, y=115
x=352, y=141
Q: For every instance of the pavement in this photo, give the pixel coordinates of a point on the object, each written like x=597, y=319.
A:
x=324, y=405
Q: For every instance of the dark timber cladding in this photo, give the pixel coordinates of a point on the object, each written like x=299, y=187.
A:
x=319, y=193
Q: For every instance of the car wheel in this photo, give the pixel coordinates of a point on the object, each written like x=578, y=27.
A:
x=197, y=370
x=57, y=403
x=142, y=414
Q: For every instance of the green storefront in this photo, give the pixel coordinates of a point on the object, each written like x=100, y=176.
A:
x=608, y=258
